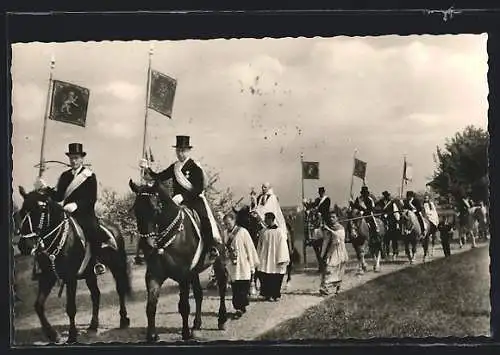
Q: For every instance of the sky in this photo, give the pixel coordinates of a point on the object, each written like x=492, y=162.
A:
x=251, y=106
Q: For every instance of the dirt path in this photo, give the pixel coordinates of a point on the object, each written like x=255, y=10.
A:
x=261, y=316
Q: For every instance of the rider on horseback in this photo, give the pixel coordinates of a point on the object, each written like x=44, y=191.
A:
x=389, y=207
x=366, y=204
x=322, y=203
x=77, y=192
x=188, y=185
x=412, y=203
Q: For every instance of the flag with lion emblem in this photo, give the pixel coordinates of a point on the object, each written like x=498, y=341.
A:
x=310, y=170
x=69, y=103
x=162, y=93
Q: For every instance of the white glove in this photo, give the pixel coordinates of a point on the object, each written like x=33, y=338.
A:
x=178, y=199
x=70, y=207
x=144, y=164
x=40, y=184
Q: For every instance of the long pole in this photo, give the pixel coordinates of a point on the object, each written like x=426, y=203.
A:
x=352, y=175
x=41, y=167
x=302, y=174
x=146, y=110
x=403, y=178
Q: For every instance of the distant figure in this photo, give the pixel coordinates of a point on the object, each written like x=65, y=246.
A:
x=412, y=203
x=445, y=228
x=323, y=203
x=243, y=261
x=274, y=258
x=366, y=204
x=335, y=256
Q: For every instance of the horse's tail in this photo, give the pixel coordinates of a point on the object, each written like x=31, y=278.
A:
x=120, y=266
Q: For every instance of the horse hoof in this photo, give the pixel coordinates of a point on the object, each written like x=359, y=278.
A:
x=54, y=337
x=197, y=325
x=222, y=326
x=152, y=338
x=92, y=328
x=187, y=335
x=124, y=323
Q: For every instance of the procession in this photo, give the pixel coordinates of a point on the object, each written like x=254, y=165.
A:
x=175, y=231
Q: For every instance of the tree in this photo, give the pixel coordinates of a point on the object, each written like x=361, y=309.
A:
x=462, y=166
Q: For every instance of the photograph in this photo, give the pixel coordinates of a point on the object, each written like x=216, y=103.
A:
x=271, y=189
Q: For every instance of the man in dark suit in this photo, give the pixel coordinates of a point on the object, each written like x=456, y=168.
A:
x=189, y=184
x=322, y=203
x=366, y=204
x=76, y=190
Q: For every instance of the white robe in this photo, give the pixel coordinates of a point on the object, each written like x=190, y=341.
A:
x=273, y=250
x=272, y=205
x=247, y=258
x=431, y=213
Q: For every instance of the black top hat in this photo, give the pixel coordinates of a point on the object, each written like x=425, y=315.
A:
x=183, y=142
x=386, y=194
x=364, y=189
x=76, y=148
x=321, y=189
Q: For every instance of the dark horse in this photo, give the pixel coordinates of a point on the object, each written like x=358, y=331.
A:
x=49, y=233
x=170, y=244
x=392, y=221
x=254, y=224
x=313, y=235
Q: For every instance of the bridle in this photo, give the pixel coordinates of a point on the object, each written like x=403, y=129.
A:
x=162, y=238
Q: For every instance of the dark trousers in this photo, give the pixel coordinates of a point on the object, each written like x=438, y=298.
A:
x=240, y=289
x=206, y=228
x=270, y=285
x=95, y=236
x=445, y=242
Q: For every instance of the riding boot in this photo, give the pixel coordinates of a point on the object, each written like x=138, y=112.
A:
x=211, y=244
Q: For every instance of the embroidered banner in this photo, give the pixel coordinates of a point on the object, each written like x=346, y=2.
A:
x=359, y=169
x=69, y=103
x=162, y=93
x=310, y=170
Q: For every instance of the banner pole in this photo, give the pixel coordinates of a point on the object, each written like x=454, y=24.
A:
x=403, y=178
x=144, y=138
x=352, y=175
x=302, y=174
x=41, y=167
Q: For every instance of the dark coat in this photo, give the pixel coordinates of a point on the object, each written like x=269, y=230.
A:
x=369, y=204
x=414, y=204
x=324, y=207
x=193, y=173
x=85, y=195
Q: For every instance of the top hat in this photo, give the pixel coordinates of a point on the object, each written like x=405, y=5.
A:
x=321, y=189
x=183, y=142
x=386, y=194
x=364, y=189
x=75, y=149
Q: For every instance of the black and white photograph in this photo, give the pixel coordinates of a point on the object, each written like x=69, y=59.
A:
x=250, y=189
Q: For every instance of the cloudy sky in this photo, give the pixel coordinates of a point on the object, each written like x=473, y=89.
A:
x=251, y=107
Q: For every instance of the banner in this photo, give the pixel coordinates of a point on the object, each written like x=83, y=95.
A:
x=359, y=169
x=310, y=170
x=408, y=172
x=69, y=103
x=162, y=93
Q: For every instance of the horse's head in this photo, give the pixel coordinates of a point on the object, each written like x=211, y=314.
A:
x=147, y=207
x=35, y=215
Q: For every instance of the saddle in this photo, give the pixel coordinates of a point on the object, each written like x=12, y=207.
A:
x=110, y=242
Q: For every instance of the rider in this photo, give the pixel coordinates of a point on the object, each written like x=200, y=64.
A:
x=388, y=206
x=430, y=210
x=189, y=185
x=77, y=192
x=322, y=203
x=366, y=204
x=412, y=203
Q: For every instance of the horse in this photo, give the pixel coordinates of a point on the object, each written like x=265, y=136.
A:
x=313, y=233
x=360, y=232
x=393, y=228
x=251, y=221
x=413, y=233
x=466, y=227
x=170, y=244
x=52, y=236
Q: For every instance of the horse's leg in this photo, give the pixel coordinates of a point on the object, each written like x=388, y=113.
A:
x=198, y=298
x=425, y=246
x=121, y=276
x=414, y=242
x=153, y=288
x=407, y=249
x=221, y=275
x=317, y=251
x=45, y=285
x=71, y=309
x=95, y=296
x=184, y=309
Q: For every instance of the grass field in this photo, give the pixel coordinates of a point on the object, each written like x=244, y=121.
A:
x=448, y=297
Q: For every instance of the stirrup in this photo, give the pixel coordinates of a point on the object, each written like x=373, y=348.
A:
x=99, y=269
